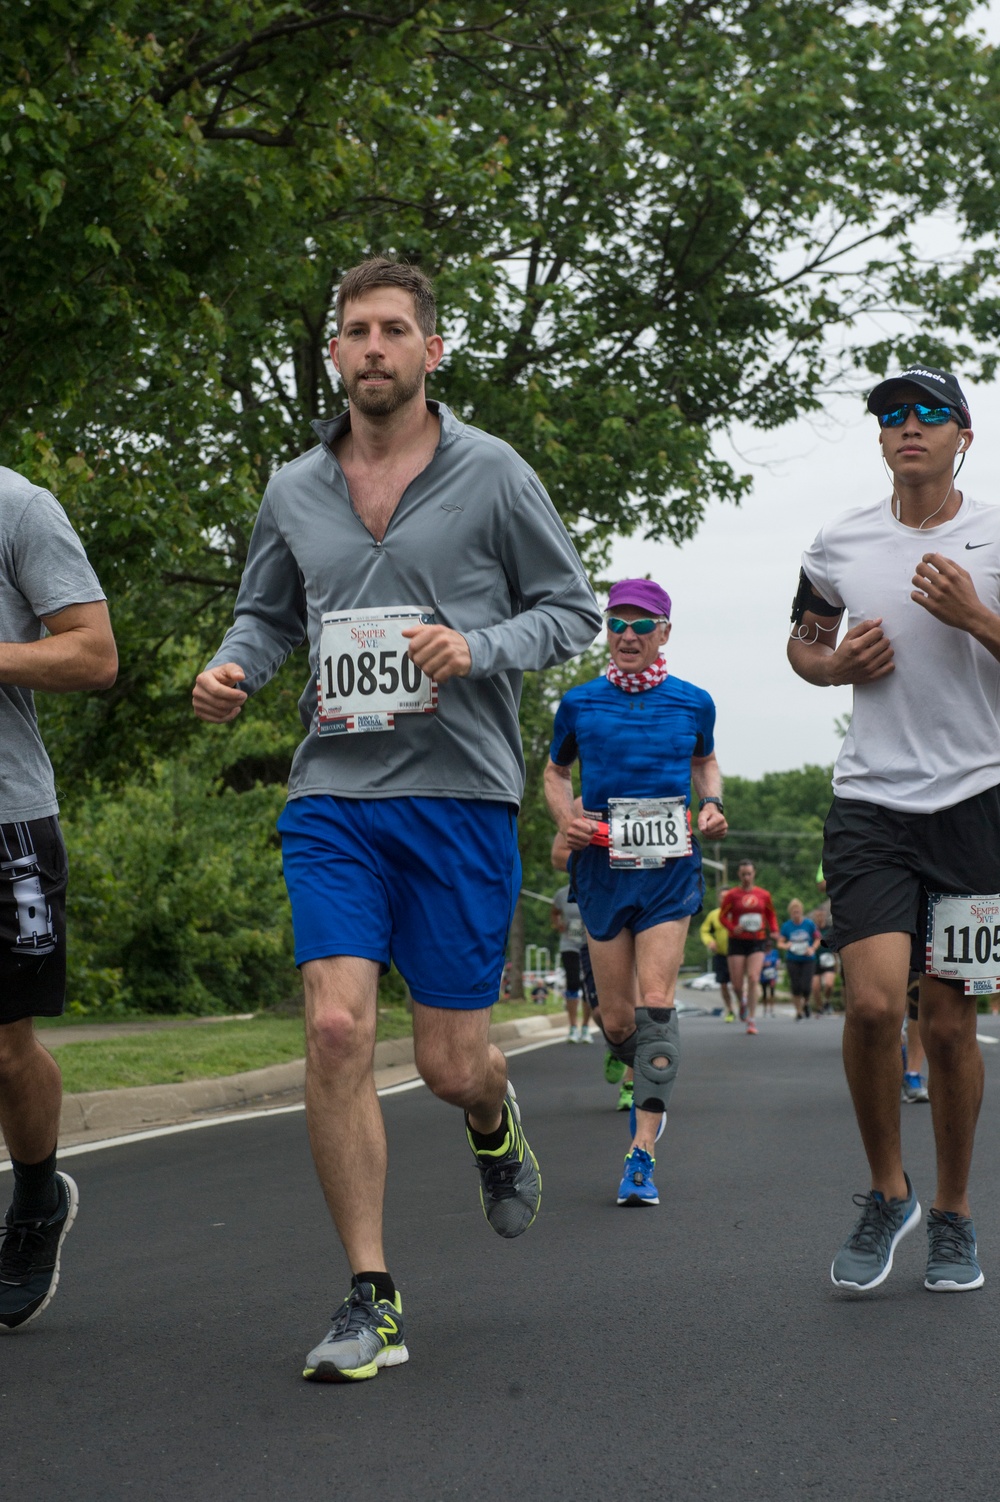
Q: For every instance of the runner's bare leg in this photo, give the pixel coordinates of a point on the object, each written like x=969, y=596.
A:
x=640, y=971
x=948, y=1032
x=457, y=1061
x=30, y=1093
x=342, y=1110
x=876, y=971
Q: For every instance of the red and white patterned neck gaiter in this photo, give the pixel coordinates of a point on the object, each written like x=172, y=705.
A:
x=637, y=683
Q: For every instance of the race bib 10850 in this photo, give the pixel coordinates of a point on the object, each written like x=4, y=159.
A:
x=366, y=676
x=963, y=941
x=647, y=832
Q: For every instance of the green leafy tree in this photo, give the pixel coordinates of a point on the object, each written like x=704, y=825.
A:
x=647, y=220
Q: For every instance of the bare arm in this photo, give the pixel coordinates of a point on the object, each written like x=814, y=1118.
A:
x=947, y=592
x=558, y=782
x=864, y=654
x=78, y=653
x=706, y=779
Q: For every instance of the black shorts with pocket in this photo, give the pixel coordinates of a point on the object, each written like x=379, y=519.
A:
x=880, y=864
x=33, y=874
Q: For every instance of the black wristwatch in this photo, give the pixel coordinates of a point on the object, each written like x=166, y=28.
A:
x=716, y=801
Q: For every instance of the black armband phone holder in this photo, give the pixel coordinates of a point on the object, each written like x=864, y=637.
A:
x=806, y=598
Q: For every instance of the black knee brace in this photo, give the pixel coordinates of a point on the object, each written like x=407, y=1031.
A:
x=657, y=1036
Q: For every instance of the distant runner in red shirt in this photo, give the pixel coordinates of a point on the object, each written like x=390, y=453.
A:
x=747, y=913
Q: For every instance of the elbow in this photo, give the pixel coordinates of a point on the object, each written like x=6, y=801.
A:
x=104, y=670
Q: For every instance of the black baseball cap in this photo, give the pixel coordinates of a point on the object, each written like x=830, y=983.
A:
x=941, y=385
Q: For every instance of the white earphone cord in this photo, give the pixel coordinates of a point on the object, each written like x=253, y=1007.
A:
x=896, y=504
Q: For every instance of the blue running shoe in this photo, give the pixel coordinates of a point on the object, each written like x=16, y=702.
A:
x=637, y=1187
x=659, y=1129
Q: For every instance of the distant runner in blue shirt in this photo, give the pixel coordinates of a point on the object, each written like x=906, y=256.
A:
x=642, y=739
x=799, y=939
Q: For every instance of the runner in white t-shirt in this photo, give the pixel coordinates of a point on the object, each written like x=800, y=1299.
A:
x=916, y=807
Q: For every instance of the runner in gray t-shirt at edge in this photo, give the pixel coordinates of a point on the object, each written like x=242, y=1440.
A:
x=399, y=837
x=46, y=586
x=572, y=939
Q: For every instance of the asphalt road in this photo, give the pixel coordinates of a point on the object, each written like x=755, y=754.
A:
x=697, y=1350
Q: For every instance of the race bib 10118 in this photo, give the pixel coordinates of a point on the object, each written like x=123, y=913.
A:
x=644, y=833
x=366, y=676
x=963, y=941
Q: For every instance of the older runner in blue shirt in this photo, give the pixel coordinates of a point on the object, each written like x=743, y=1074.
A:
x=643, y=739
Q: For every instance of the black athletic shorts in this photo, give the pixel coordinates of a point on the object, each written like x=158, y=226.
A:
x=800, y=975
x=880, y=864
x=32, y=920
x=571, y=965
x=748, y=946
x=587, y=978
x=720, y=966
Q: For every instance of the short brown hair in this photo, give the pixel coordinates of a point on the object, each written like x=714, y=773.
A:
x=381, y=272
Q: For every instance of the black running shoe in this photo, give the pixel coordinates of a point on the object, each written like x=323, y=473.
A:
x=29, y=1261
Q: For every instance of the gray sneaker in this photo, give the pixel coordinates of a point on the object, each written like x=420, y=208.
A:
x=951, y=1253
x=367, y=1333
x=865, y=1259
x=511, y=1185
x=914, y=1091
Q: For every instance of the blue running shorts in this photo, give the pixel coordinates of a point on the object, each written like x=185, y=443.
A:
x=610, y=900
x=429, y=883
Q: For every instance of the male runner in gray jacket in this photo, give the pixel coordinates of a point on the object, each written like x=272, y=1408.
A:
x=427, y=567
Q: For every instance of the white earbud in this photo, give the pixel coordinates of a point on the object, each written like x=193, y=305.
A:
x=961, y=445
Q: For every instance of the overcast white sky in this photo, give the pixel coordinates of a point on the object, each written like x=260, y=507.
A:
x=732, y=585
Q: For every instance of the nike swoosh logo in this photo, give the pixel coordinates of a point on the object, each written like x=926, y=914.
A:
x=970, y=545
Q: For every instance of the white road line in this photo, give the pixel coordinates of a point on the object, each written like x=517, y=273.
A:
x=213, y=1121
x=985, y=1038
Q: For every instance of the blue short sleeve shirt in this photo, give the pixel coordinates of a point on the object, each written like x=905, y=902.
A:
x=633, y=745
x=800, y=937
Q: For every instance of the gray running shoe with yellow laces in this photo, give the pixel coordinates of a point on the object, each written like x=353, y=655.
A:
x=510, y=1183
x=366, y=1334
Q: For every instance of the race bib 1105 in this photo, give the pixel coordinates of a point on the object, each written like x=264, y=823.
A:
x=644, y=833
x=366, y=676
x=963, y=941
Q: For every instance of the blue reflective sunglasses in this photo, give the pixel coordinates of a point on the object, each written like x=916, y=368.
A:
x=932, y=416
x=642, y=627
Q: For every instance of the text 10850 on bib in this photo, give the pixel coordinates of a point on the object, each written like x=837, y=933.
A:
x=366, y=676
x=645, y=833
x=963, y=941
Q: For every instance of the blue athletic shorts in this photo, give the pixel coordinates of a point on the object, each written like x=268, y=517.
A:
x=610, y=900
x=429, y=883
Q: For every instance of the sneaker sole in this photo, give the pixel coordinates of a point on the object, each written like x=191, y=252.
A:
x=327, y=1372
x=634, y=1199
x=904, y=1230
x=73, y=1195
x=950, y=1287
x=538, y=1202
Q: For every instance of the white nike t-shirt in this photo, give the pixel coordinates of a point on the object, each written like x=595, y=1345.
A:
x=927, y=735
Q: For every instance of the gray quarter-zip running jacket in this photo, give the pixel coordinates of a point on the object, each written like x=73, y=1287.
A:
x=475, y=538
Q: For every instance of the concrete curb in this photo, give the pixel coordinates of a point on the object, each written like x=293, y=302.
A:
x=97, y=1114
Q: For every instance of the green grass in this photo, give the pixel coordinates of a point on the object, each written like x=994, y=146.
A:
x=174, y=1055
